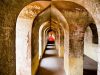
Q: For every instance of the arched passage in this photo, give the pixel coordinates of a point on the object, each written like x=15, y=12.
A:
x=93, y=9
x=75, y=31
x=40, y=40
x=78, y=19
x=62, y=20
x=90, y=50
x=43, y=42
x=23, y=36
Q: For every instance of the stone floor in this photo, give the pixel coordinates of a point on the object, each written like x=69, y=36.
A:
x=51, y=64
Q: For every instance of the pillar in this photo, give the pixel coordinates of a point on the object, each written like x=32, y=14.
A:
x=76, y=45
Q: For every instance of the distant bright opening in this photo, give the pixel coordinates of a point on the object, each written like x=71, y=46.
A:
x=51, y=37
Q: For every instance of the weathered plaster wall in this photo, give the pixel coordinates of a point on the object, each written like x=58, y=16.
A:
x=93, y=7
x=78, y=19
x=23, y=38
x=77, y=24
x=9, y=10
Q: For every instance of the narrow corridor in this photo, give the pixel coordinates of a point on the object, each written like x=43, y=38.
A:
x=51, y=64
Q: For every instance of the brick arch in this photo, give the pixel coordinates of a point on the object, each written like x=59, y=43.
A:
x=94, y=33
x=76, y=41
x=93, y=9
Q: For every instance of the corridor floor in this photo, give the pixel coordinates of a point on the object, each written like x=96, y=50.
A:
x=51, y=64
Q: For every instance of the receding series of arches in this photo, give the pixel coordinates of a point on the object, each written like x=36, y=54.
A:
x=67, y=20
